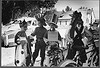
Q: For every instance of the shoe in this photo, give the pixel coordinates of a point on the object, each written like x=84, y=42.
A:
x=32, y=64
x=42, y=65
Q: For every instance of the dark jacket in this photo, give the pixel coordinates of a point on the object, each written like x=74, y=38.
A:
x=39, y=32
x=77, y=41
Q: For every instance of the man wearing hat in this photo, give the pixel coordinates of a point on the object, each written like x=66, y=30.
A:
x=52, y=38
x=24, y=44
x=40, y=44
x=93, y=27
x=52, y=29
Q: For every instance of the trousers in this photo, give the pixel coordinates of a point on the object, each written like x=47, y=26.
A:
x=39, y=45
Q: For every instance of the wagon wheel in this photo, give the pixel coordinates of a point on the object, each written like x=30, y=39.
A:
x=52, y=65
x=72, y=65
x=61, y=58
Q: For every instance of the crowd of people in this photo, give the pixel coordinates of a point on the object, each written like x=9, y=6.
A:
x=41, y=33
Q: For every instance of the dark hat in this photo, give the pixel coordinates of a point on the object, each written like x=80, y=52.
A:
x=75, y=13
x=53, y=24
x=42, y=21
x=23, y=24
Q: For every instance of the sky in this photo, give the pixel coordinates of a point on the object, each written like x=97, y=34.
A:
x=75, y=4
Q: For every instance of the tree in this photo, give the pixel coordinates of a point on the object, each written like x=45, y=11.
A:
x=10, y=8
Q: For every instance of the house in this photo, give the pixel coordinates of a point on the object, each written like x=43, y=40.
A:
x=65, y=20
x=88, y=16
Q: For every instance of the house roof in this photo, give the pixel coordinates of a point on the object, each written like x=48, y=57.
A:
x=66, y=15
x=58, y=13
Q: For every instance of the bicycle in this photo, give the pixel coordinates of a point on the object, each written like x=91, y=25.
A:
x=55, y=55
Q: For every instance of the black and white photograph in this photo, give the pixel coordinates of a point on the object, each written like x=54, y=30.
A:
x=50, y=33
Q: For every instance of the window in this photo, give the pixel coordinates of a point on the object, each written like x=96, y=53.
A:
x=10, y=36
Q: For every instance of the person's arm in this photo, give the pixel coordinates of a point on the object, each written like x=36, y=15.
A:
x=17, y=40
x=59, y=37
x=78, y=33
x=46, y=36
x=33, y=34
x=81, y=29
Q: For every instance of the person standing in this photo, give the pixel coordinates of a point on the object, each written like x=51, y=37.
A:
x=78, y=44
x=52, y=39
x=40, y=44
x=71, y=33
x=22, y=50
x=53, y=27
x=76, y=36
